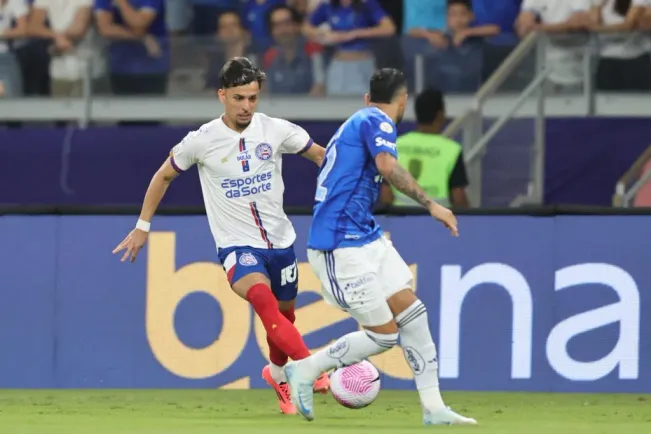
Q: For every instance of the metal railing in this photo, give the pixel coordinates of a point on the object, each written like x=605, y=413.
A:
x=636, y=177
x=470, y=124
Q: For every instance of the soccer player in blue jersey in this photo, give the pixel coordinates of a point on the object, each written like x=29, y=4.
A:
x=360, y=270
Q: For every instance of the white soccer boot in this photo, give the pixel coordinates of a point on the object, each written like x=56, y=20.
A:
x=447, y=417
x=301, y=389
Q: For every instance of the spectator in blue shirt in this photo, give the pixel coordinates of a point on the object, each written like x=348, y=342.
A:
x=255, y=14
x=293, y=65
x=232, y=40
x=453, y=56
x=351, y=24
x=139, y=57
x=205, y=14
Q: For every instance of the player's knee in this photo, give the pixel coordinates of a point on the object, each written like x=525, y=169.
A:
x=385, y=341
x=245, y=284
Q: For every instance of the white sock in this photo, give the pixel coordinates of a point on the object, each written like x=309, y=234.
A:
x=348, y=350
x=277, y=373
x=420, y=352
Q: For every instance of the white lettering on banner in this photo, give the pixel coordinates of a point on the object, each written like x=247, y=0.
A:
x=455, y=288
x=625, y=354
x=626, y=311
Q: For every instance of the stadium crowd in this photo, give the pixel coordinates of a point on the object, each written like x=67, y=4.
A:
x=316, y=47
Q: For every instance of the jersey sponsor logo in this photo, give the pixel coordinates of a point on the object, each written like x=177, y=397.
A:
x=379, y=141
x=247, y=259
x=243, y=187
x=244, y=156
x=263, y=151
x=386, y=127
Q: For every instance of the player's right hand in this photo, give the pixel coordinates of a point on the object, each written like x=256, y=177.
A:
x=445, y=216
x=132, y=244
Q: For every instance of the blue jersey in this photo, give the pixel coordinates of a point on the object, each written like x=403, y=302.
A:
x=349, y=182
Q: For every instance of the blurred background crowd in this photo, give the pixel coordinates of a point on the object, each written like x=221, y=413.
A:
x=315, y=47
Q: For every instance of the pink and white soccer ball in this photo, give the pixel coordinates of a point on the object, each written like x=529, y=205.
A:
x=355, y=386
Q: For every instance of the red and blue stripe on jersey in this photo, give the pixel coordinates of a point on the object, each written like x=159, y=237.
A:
x=245, y=162
x=258, y=223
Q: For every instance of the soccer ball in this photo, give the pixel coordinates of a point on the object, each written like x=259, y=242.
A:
x=355, y=386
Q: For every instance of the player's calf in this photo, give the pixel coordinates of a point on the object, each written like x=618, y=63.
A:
x=420, y=352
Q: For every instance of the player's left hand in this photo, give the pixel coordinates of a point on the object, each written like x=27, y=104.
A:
x=132, y=244
x=446, y=217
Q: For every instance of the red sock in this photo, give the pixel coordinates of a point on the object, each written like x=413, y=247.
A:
x=279, y=329
x=276, y=355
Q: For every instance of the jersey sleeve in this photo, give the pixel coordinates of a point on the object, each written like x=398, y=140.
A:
x=533, y=6
x=188, y=152
x=379, y=135
x=18, y=8
x=152, y=5
x=375, y=11
x=320, y=15
x=102, y=5
x=295, y=140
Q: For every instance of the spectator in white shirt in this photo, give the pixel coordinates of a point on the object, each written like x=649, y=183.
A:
x=76, y=50
x=566, y=51
x=13, y=25
x=624, y=63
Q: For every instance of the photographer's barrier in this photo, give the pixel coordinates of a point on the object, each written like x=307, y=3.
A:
x=515, y=303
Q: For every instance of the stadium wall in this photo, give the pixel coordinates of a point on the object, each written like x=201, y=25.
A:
x=538, y=302
x=584, y=160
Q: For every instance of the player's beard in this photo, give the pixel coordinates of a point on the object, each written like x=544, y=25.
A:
x=242, y=125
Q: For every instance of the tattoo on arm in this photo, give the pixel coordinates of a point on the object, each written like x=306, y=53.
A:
x=404, y=182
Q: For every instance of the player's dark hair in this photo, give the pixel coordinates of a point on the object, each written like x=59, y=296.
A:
x=466, y=3
x=429, y=103
x=297, y=18
x=385, y=84
x=239, y=71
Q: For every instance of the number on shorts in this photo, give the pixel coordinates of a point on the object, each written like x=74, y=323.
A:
x=288, y=274
x=330, y=157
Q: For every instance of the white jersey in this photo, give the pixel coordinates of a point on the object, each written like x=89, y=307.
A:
x=241, y=178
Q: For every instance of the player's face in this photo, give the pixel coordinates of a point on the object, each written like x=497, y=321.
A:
x=240, y=103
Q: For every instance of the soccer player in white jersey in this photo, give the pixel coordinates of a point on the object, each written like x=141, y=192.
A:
x=239, y=158
x=360, y=270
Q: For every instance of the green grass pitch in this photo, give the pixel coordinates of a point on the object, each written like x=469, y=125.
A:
x=255, y=411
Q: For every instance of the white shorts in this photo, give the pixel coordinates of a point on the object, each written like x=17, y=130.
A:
x=359, y=280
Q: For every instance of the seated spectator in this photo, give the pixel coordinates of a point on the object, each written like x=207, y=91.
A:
x=351, y=24
x=205, y=14
x=13, y=25
x=565, y=51
x=139, y=58
x=75, y=48
x=255, y=14
x=624, y=61
x=293, y=65
x=232, y=41
x=454, y=64
x=435, y=161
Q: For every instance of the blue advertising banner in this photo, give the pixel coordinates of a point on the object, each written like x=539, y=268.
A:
x=515, y=303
